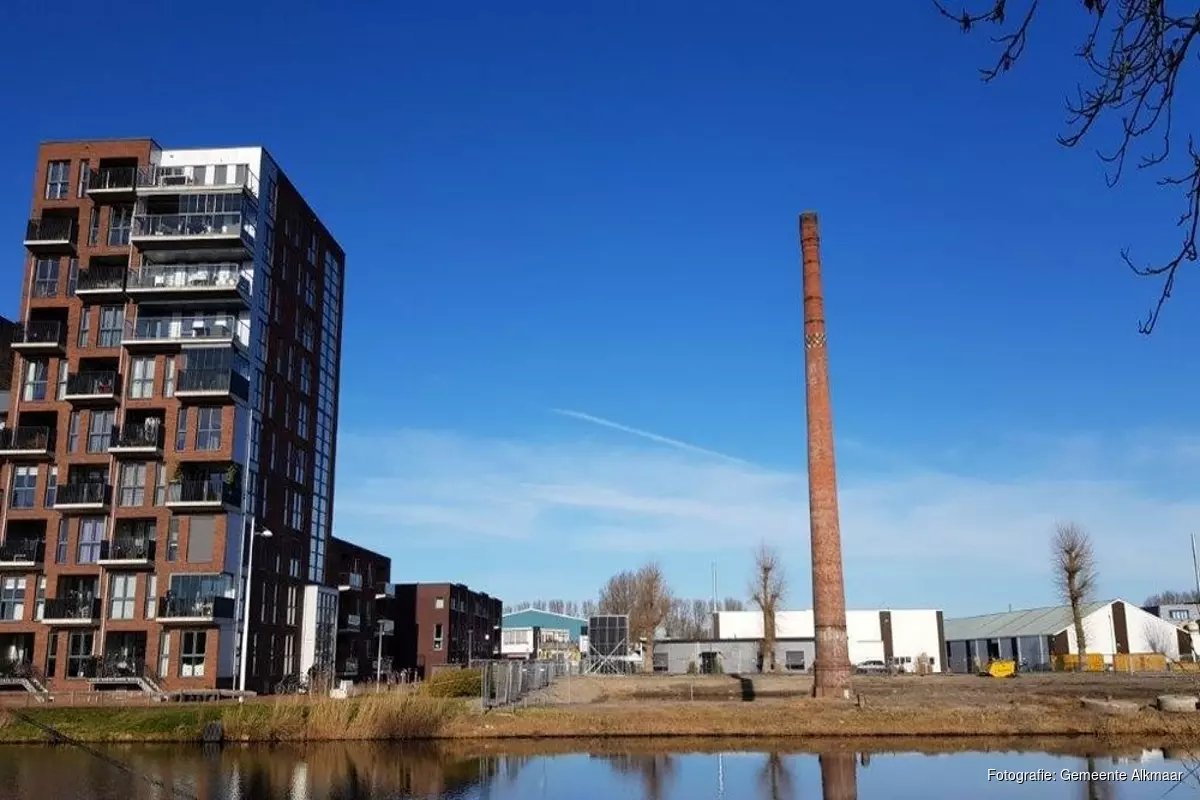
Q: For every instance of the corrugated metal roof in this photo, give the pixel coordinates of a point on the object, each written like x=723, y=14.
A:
x=1008, y=624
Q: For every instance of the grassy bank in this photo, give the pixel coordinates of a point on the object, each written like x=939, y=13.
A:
x=396, y=717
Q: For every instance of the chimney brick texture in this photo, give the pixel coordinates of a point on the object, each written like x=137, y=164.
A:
x=831, y=666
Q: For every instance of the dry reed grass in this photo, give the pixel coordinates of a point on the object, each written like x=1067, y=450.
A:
x=387, y=716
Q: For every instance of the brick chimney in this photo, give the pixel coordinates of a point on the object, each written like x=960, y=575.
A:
x=832, y=663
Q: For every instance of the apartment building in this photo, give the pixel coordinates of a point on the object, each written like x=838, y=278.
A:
x=362, y=578
x=174, y=404
x=443, y=624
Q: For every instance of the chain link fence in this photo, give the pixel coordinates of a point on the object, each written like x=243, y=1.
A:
x=508, y=682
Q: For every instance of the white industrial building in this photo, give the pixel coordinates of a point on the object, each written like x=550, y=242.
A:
x=1033, y=637
x=897, y=637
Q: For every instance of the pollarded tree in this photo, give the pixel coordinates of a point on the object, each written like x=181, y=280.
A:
x=767, y=588
x=1075, y=575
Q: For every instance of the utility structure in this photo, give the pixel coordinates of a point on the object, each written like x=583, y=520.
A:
x=831, y=666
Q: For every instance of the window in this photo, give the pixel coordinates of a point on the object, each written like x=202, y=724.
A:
x=12, y=599
x=191, y=654
x=91, y=534
x=173, y=539
x=120, y=222
x=72, y=277
x=112, y=321
x=52, y=655
x=141, y=385
x=122, y=592
x=437, y=636
x=305, y=377
x=310, y=291
x=306, y=334
x=164, y=653
x=45, y=277
x=181, y=429
x=100, y=429
x=24, y=487
x=94, y=226
x=37, y=374
x=51, y=488
x=63, y=371
x=79, y=653
x=73, y=433
x=85, y=318
x=439, y=602
x=160, y=484
x=169, y=378
x=151, y=596
x=85, y=177
x=60, y=545
x=39, y=610
x=291, y=605
x=58, y=180
x=294, y=567
x=288, y=654
x=133, y=484
x=1180, y=613
x=208, y=428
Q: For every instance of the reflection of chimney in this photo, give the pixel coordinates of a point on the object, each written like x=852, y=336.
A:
x=832, y=663
x=839, y=776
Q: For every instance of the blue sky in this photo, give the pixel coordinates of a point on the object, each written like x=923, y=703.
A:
x=592, y=207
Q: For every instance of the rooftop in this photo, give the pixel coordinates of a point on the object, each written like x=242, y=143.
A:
x=1047, y=621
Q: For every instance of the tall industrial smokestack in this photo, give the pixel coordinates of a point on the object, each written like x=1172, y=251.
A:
x=832, y=664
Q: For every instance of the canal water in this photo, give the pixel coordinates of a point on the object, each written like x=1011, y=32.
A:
x=528, y=771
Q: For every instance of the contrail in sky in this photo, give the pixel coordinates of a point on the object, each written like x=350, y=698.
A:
x=654, y=437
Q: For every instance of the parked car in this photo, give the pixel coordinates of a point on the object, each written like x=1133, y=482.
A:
x=871, y=666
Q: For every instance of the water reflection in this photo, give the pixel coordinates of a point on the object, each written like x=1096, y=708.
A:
x=546, y=769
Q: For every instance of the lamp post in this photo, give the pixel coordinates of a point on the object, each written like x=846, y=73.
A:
x=266, y=534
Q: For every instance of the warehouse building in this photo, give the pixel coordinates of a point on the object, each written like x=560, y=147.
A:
x=547, y=620
x=1033, y=637
x=894, y=637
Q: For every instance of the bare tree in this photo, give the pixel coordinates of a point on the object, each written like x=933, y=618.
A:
x=539, y=605
x=556, y=606
x=1160, y=640
x=1135, y=51
x=588, y=609
x=732, y=604
x=508, y=608
x=1075, y=575
x=645, y=598
x=1169, y=598
x=767, y=589
x=571, y=608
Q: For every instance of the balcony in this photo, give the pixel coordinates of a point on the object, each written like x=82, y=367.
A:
x=350, y=581
x=101, y=384
x=27, y=441
x=227, y=230
x=349, y=623
x=209, y=383
x=101, y=281
x=201, y=282
x=50, y=234
x=129, y=551
x=348, y=666
x=196, y=179
x=83, y=496
x=112, y=182
x=22, y=554
x=156, y=332
x=199, y=610
x=41, y=337
x=71, y=610
x=137, y=438
x=203, y=494
x=385, y=591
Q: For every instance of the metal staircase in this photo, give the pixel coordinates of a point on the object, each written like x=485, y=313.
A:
x=26, y=676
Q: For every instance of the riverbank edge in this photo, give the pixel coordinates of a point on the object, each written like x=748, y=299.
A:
x=682, y=720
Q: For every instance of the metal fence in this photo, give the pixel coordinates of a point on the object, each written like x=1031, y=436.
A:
x=507, y=682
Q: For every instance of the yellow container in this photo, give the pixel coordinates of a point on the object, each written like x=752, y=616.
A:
x=1093, y=662
x=1002, y=669
x=1139, y=662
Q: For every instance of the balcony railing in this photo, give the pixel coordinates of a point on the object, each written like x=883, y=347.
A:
x=350, y=580
x=50, y=230
x=137, y=436
x=183, y=329
x=112, y=179
x=128, y=548
x=82, y=493
x=81, y=609
x=27, y=439
x=203, y=608
x=198, y=224
x=101, y=279
x=17, y=669
x=348, y=666
x=199, y=177
x=93, y=383
x=116, y=667
x=203, y=492
x=41, y=333
x=350, y=623
x=212, y=381
x=23, y=551
x=188, y=277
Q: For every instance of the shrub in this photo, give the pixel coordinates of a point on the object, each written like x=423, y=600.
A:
x=455, y=683
x=691, y=670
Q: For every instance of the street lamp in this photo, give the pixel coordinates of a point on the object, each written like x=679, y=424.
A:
x=266, y=534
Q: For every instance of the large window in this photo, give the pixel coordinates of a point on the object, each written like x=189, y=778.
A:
x=24, y=487
x=58, y=180
x=51, y=487
x=133, y=484
x=37, y=375
x=60, y=544
x=45, y=277
x=91, y=534
x=85, y=323
x=100, y=430
x=191, y=654
x=208, y=428
x=73, y=432
x=12, y=599
x=79, y=653
x=120, y=222
x=437, y=636
x=112, y=323
x=122, y=592
x=181, y=429
x=141, y=382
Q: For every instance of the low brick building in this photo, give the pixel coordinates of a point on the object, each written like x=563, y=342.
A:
x=360, y=575
x=441, y=624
